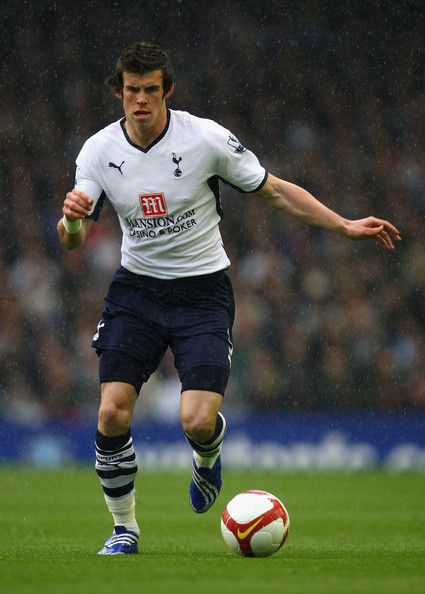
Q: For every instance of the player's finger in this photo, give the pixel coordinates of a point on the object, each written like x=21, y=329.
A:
x=388, y=236
x=374, y=230
x=74, y=210
x=385, y=240
x=380, y=240
x=390, y=228
x=393, y=230
x=81, y=197
x=72, y=200
x=80, y=193
x=82, y=201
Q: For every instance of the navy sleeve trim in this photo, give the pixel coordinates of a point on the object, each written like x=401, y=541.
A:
x=94, y=216
x=266, y=175
x=263, y=181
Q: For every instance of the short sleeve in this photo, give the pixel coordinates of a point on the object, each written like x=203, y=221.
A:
x=235, y=164
x=85, y=179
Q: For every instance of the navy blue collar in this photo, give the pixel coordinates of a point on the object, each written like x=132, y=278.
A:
x=153, y=143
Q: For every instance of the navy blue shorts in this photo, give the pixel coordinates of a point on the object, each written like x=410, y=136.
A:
x=193, y=316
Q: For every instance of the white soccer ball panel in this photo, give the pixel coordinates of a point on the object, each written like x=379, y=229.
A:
x=277, y=530
x=230, y=539
x=268, y=539
x=246, y=506
x=265, y=494
x=262, y=543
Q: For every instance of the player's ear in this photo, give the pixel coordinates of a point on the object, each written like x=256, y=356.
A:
x=118, y=93
x=170, y=92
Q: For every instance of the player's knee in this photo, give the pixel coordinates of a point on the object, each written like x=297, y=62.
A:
x=198, y=427
x=113, y=418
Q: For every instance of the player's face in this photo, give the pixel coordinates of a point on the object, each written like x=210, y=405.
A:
x=143, y=99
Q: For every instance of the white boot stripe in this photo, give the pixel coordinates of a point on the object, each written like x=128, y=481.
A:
x=205, y=492
x=200, y=481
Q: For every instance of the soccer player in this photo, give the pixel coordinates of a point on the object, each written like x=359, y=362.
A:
x=160, y=169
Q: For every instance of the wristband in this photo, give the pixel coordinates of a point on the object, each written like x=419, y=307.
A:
x=71, y=227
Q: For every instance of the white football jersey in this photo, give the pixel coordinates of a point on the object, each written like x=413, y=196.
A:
x=167, y=195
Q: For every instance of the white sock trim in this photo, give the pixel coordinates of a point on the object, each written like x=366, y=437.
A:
x=205, y=461
x=123, y=510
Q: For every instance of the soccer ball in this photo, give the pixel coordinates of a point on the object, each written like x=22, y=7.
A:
x=255, y=524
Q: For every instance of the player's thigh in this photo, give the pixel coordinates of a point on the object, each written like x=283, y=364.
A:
x=201, y=331
x=118, y=366
x=130, y=347
x=203, y=359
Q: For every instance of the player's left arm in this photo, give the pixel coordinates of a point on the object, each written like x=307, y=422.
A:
x=301, y=205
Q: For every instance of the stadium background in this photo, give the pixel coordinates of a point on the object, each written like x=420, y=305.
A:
x=330, y=98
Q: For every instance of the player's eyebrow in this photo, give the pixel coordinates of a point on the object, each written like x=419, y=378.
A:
x=151, y=88
x=146, y=88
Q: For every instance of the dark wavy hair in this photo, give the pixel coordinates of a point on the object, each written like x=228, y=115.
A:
x=140, y=58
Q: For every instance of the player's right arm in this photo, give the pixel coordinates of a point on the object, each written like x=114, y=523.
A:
x=77, y=205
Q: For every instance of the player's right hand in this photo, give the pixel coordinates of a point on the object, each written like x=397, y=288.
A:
x=77, y=205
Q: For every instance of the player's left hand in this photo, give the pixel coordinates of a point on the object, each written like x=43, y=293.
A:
x=373, y=228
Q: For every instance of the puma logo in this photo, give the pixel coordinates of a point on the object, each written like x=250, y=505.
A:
x=117, y=166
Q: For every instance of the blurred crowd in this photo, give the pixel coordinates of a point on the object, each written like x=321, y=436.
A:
x=331, y=99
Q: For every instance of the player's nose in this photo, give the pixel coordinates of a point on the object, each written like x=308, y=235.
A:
x=141, y=97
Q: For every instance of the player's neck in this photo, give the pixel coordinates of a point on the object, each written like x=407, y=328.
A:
x=143, y=136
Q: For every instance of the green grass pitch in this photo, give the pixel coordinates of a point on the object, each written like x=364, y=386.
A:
x=350, y=533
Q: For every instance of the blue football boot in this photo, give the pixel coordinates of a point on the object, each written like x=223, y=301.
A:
x=205, y=486
x=122, y=542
